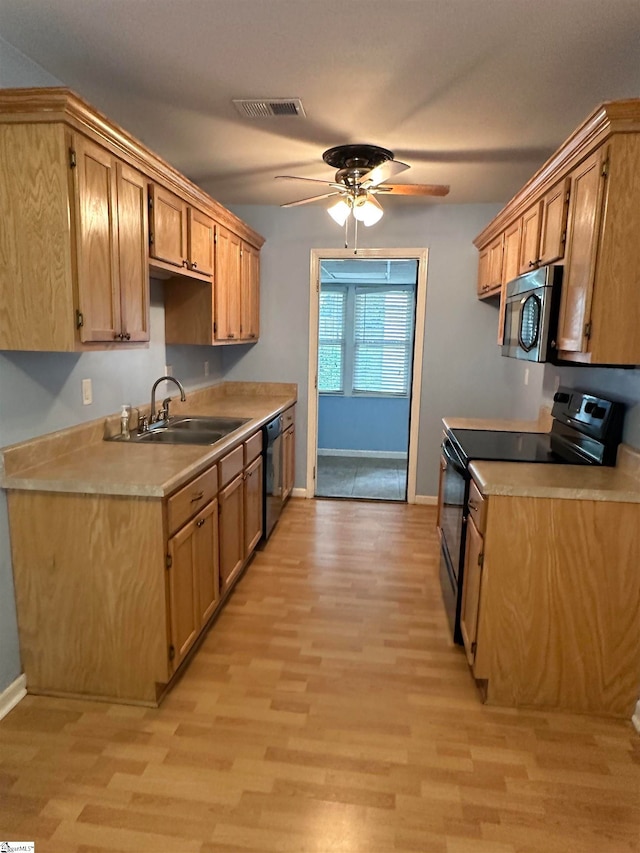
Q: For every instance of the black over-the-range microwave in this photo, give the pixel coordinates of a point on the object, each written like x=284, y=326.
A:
x=531, y=314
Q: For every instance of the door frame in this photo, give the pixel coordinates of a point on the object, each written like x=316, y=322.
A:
x=318, y=255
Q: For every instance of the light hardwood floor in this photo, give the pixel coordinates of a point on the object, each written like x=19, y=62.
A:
x=326, y=712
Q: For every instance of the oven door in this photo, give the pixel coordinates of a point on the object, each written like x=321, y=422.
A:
x=453, y=494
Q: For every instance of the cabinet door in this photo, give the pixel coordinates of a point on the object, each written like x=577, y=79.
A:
x=97, y=259
x=490, y=269
x=510, y=268
x=207, y=561
x=183, y=595
x=133, y=256
x=583, y=228
x=253, y=488
x=530, y=239
x=250, y=296
x=168, y=231
x=554, y=223
x=200, y=233
x=288, y=460
x=227, y=285
x=231, y=530
x=471, y=590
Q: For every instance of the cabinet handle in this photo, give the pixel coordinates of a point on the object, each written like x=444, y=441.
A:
x=473, y=506
x=185, y=262
x=194, y=266
x=197, y=497
x=200, y=523
x=127, y=336
x=231, y=335
x=251, y=334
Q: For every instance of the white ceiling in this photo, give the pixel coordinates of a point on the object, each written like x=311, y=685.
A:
x=471, y=93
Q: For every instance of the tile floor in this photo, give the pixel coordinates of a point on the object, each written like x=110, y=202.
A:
x=361, y=477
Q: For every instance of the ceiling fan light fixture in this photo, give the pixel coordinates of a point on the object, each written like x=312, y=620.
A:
x=340, y=211
x=368, y=210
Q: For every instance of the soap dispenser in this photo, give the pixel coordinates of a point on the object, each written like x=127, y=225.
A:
x=125, y=416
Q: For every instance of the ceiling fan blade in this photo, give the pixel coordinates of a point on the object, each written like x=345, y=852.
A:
x=308, y=200
x=415, y=189
x=383, y=172
x=296, y=178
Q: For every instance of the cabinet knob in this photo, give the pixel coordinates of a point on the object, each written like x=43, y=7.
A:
x=127, y=336
x=185, y=262
x=231, y=335
x=200, y=523
x=194, y=266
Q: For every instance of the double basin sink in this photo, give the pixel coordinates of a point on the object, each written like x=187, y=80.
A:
x=188, y=430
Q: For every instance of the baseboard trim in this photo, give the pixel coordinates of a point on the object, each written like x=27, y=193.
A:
x=299, y=493
x=367, y=454
x=427, y=500
x=13, y=694
x=636, y=717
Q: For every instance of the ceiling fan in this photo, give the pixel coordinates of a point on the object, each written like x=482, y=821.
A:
x=363, y=172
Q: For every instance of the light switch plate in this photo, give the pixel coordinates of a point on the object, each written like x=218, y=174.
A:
x=87, y=392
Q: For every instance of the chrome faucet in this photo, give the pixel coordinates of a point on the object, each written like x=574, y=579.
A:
x=163, y=413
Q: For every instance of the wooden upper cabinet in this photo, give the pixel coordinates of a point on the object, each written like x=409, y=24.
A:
x=200, y=242
x=168, y=227
x=530, y=239
x=180, y=235
x=76, y=243
x=112, y=261
x=553, y=231
x=227, y=285
x=587, y=185
x=490, y=269
x=250, y=293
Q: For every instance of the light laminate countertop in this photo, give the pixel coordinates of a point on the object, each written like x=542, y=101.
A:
x=78, y=460
x=538, y=480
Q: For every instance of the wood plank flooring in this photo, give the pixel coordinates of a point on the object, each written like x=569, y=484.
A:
x=326, y=712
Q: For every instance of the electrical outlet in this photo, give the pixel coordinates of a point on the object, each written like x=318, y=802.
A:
x=168, y=370
x=526, y=376
x=206, y=368
x=87, y=392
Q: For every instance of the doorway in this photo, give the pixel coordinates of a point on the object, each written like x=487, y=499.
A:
x=366, y=333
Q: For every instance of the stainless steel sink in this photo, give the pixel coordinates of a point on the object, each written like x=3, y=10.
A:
x=170, y=436
x=188, y=430
x=197, y=423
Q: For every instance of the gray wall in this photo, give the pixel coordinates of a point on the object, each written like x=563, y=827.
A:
x=463, y=372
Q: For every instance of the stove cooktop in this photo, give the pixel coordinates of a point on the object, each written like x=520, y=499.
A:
x=504, y=446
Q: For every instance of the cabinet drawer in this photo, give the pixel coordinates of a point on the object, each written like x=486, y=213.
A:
x=253, y=447
x=288, y=417
x=477, y=507
x=230, y=465
x=192, y=498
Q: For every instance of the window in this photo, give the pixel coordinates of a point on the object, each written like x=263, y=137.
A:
x=374, y=356
x=331, y=340
x=383, y=337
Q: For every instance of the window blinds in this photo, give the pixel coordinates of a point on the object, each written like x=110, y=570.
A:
x=331, y=340
x=383, y=340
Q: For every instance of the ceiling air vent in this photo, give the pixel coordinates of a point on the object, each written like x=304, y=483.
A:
x=269, y=107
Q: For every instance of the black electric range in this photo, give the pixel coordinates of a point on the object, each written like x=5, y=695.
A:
x=586, y=430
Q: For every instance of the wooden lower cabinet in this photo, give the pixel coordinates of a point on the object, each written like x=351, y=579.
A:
x=550, y=611
x=112, y=592
x=289, y=461
x=194, y=589
x=241, y=516
x=253, y=495
x=232, y=546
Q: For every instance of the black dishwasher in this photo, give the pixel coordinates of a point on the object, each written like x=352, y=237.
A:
x=272, y=449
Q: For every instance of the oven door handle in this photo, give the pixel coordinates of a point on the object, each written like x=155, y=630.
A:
x=451, y=459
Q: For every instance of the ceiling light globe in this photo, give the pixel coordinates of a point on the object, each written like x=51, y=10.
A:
x=339, y=211
x=368, y=211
